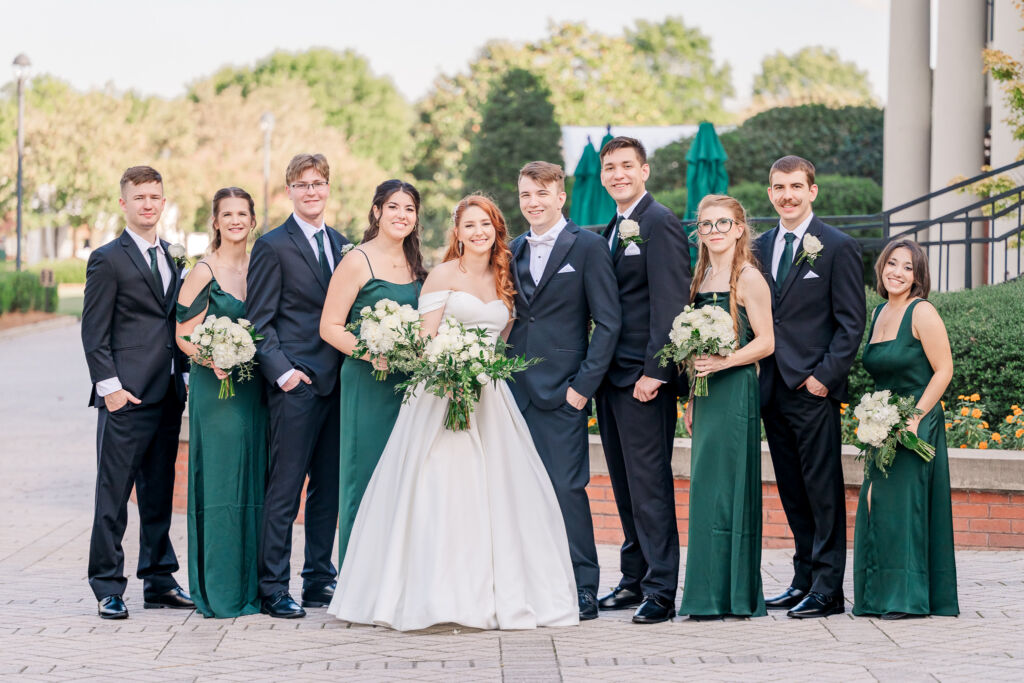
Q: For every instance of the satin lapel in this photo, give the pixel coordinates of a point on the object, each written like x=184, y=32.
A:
x=517, y=249
x=766, y=265
x=558, y=253
x=798, y=271
x=332, y=235
x=144, y=270
x=306, y=249
x=171, y=295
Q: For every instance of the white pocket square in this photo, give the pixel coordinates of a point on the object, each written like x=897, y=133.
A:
x=567, y=268
x=631, y=250
x=810, y=275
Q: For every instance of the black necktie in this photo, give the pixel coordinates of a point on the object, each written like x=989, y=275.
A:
x=325, y=267
x=786, y=262
x=156, y=269
x=615, y=232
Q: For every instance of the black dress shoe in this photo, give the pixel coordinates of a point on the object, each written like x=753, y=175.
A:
x=653, y=610
x=621, y=598
x=281, y=606
x=893, y=616
x=817, y=605
x=787, y=599
x=319, y=597
x=706, y=617
x=588, y=605
x=175, y=598
x=112, y=607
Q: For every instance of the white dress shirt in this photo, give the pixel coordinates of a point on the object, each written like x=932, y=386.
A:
x=112, y=384
x=310, y=232
x=540, y=248
x=625, y=214
x=780, y=241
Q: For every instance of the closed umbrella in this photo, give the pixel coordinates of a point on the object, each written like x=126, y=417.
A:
x=591, y=203
x=705, y=174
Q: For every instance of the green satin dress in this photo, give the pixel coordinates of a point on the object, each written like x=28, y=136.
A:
x=227, y=471
x=723, y=557
x=903, y=558
x=369, y=409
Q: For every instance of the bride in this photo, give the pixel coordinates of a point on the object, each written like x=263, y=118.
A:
x=461, y=527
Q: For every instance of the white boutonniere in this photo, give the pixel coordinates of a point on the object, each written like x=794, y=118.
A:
x=178, y=255
x=347, y=248
x=629, y=232
x=812, y=249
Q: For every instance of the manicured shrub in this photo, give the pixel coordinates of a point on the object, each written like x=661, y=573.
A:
x=70, y=270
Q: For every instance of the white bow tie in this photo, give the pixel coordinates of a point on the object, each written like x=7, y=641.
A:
x=547, y=239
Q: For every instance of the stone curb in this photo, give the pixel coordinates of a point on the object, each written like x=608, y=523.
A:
x=41, y=326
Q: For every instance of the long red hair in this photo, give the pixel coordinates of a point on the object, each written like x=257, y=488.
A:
x=501, y=255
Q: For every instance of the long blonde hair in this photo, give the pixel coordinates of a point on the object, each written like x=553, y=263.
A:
x=743, y=256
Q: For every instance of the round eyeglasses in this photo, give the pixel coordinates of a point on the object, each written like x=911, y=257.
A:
x=722, y=225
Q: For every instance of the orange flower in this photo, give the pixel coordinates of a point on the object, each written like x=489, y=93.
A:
x=679, y=413
x=844, y=405
x=1009, y=419
x=591, y=422
x=1019, y=433
x=842, y=410
x=983, y=444
x=997, y=437
x=963, y=445
x=1014, y=407
x=948, y=425
x=984, y=425
x=1017, y=411
x=975, y=398
x=943, y=404
x=964, y=411
x=976, y=414
x=962, y=397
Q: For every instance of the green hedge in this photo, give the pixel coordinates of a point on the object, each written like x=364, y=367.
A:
x=986, y=334
x=70, y=270
x=23, y=292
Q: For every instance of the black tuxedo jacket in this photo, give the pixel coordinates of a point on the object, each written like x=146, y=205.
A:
x=819, y=321
x=654, y=287
x=553, y=318
x=128, y=323
x=286, y=292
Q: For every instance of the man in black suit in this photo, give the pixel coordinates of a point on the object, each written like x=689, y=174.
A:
x=815, y=272
x=564, y=282
x=636, y=403
x=289, y=271
x=139, y=389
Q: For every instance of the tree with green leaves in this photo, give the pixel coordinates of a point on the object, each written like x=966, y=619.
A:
x=518, y=126
x=811, y=75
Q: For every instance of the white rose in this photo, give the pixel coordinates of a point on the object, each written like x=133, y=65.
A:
x=628, y=228
x=483, y=378
x=175, y=251
x=244, y=323
x=365, y=311
x=812, y=245
x=205, y=340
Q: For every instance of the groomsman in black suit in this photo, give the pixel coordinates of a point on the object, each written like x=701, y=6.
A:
x=138, y=389
x=564, y=283
x=816, y=274
x=289, y=271
x=636, y=403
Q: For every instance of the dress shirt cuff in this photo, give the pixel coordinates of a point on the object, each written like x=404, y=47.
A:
x=108, y=386
x=283, y=379
x=184, y=377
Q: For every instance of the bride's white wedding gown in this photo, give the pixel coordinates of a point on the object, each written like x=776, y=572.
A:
x=459, y=527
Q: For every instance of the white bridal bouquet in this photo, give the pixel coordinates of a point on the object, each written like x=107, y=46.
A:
x=387, y=332
x=703, y=331
x=457, y=363
x=229, y=345
x=882, y=425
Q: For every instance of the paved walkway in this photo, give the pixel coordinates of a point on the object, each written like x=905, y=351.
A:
x=49, y=630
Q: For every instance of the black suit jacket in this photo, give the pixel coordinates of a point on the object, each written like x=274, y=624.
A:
x=553, y=322
x=286, y=292
x=654, y=287
x=128, y=323
x=819, y=321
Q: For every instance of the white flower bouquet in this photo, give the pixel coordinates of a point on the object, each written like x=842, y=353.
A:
x=703, y=331
x=387, y=332
x=228, y=345
x=457, y=363
x=882, y=425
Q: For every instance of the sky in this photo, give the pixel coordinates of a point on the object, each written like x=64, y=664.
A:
x=158, y=48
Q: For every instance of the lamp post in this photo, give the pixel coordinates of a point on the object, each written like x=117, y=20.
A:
x=21, y=65
x=267, y=126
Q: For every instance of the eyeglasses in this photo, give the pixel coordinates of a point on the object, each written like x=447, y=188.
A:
x=302, y=187
x=721, y=225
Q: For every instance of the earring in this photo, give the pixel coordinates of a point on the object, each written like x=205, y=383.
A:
x=460, y=248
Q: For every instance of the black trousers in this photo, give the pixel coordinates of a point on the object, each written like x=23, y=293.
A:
x=803, y=433
x=637, y=439
x=560, y=436
x=135, y=446
x=304, y=440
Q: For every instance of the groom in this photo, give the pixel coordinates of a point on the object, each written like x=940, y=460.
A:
x=139, y=382
x=818, y=280
x=636, y=403
x=564, y=283
x=289, y=271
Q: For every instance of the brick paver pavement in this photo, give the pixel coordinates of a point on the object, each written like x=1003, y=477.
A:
x=49, y=629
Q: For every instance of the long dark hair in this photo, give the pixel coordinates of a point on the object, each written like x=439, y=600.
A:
x=222, y=194
x=411, y=244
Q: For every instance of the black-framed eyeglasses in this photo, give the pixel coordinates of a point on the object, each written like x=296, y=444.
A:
x=317, y=185
x=722, y=225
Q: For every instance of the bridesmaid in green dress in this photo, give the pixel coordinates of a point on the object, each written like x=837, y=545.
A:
x=903, y=561
x=227, y=450
x=723, y=558
x=387, y=264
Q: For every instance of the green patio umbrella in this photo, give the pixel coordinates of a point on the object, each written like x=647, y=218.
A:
x=591, y=203
x=705, y=174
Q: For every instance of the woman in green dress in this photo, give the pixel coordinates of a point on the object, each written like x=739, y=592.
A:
x=387, y=264
x=723, y=558
x=903, y=561
x=227, y=450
